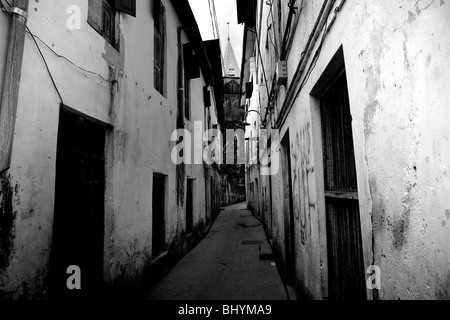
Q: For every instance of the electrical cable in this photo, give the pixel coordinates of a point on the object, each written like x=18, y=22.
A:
x=218, y=32
x=63, y=57
x=262, y=63
x=46, y=65
x=263, y=70
x=215, y=19
x=293, y=24
x=3, y=8
x=288, y=27
x=212, y=19
x=43, y=58
x=33, y=36
x=270, y=3
x=272, y=26
x=316, y=56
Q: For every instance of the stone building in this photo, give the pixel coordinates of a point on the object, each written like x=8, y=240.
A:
x=90, y=179
x=355, y=97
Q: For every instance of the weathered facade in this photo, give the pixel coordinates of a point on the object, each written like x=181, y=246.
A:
x=91, y=180
x=363, y=143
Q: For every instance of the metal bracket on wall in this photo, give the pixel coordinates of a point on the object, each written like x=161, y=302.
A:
x=17, y=11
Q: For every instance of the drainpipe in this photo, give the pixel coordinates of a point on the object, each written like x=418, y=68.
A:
x=180, y=169
x=11, y=84
x=180, y=82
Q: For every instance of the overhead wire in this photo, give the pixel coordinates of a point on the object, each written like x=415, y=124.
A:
x=215, y=19
x=3, y=8
x=272, y=26
x=65, y=58
x=43, y=58
x=216, y=23
x=263, y=71
x=316, y=55
x=34, y=37
x=46, y=65
x=278, y=54
x=212, y=19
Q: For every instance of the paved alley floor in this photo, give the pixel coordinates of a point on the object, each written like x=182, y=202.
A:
x=225, y=265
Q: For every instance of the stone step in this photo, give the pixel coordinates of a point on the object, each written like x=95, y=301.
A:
x=265, y=252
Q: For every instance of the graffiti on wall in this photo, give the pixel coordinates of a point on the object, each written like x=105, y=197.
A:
x=302, y=169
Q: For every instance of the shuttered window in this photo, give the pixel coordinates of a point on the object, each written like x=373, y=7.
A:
x=191, y=63
x=109, y=16
x=191, y=71
x=126, y=6
x=187, y=98
x=159, y=45
x=206, y=97
x=95, y=14
x=102, y=16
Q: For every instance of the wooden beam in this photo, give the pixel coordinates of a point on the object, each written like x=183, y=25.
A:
x=342, y=195
x=11, y=84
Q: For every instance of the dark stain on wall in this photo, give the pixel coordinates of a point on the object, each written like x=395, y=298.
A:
x=443, y=290
x=7, y=218
x=135, y=285
x=378, y=221
x=180, y=174
x=401, y=223
x=378, y=207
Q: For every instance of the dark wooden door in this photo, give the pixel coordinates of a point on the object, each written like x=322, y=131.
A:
x=190, y=206
x=159, y=213
x=78, y=226
x=346, y=270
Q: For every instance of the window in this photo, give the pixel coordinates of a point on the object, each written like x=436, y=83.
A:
x=159, y=46
x=345, y=254
x=232, y=87
x=102, y=16
x=159, y=213
x=191, y=71
x=206, y=97
x=187, y=98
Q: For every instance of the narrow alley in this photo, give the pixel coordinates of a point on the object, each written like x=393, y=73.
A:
x=226, y=265
x=225, y=150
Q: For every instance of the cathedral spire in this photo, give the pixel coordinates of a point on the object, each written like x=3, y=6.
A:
x=231, y=65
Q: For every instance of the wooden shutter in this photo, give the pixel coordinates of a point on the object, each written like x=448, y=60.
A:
x=159, y=45
x=126, y=6
x=158, y=61
x=191, y=65
x=156, y=10
x=246, y=12
x=206, y=97
x=249, y=90
x=108, y=30
x=95, y=14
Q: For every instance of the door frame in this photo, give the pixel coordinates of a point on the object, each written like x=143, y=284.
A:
x=107, y=181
